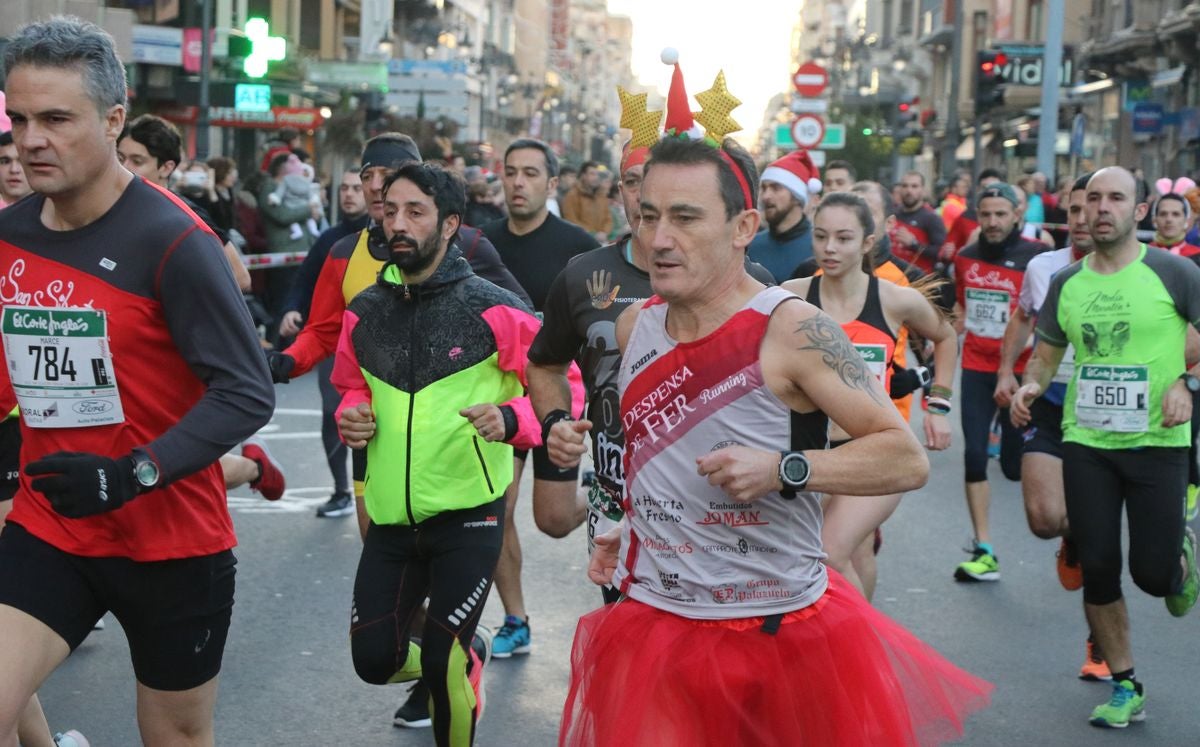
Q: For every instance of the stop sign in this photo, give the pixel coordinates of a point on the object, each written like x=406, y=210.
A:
x=810, y=79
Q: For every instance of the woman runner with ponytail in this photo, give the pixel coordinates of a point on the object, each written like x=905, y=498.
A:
x=871, y=312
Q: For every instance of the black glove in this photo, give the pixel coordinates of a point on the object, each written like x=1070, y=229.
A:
x=281, y=365
x=78, y=484
x=905, y=381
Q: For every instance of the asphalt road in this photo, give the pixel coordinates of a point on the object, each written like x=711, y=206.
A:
x=288, y=679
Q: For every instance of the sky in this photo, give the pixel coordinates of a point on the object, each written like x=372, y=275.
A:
x=751, y=46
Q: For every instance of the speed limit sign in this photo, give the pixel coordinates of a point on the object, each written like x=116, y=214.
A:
x=808, y=130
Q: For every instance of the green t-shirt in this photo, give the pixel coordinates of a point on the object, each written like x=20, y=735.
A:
x=1128, y=330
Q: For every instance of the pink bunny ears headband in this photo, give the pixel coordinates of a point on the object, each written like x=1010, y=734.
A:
x=1176, y=189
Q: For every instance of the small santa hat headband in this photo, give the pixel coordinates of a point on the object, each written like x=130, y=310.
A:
x=797, y=172
x=715, y=105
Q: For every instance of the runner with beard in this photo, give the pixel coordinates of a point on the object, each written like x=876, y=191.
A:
x=989, y=275
x=787, y=187
x=918, y=233
x=431, y=365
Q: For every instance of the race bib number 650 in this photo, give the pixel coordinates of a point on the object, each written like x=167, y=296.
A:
x=61, y=367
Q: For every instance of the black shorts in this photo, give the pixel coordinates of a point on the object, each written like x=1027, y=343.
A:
x=175, y=613
x=10, y=457
x=544, y=469
x=1043, y=434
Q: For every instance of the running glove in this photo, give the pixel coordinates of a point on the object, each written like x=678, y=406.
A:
x=905, y=381
x=79, y=484
x=281, y=365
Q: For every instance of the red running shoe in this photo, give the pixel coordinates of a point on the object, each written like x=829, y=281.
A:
x=1070, y=574
x=270, y=480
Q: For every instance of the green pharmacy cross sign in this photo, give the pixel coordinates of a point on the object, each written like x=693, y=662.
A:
x=263, y=48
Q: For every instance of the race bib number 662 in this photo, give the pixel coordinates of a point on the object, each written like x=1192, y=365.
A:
x=61, y=367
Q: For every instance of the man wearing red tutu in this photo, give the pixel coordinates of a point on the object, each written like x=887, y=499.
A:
x=730, y=630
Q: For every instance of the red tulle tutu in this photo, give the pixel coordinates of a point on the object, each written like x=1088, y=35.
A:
x=836, y=674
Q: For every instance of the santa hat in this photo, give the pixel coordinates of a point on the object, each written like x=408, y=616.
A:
x=797, y=173
x=680, y=121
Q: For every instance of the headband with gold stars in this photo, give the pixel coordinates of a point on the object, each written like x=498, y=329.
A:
x=716, y=104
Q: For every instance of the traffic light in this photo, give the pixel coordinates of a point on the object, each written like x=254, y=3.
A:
x=906, y=112
x=989, y=86
x=263, y=48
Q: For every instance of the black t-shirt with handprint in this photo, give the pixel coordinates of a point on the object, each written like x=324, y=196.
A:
x=579, y=324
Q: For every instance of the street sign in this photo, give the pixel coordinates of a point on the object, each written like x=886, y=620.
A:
x=835, y=137
x=810, y=79
x=1023, y=66
x=1078, y=130
x=1147, y=119
x=807, y=130
x=810, y=106
x=252, y=97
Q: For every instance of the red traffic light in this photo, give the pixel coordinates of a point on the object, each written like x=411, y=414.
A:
x=989, y=66
x=904, y=107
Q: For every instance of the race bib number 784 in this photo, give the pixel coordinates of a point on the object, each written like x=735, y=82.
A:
x=61, y=367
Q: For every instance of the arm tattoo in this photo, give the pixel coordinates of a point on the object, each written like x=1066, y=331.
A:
x=827, y=338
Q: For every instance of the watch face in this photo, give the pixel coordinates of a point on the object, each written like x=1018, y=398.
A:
x=146, y=473
x=795, y=469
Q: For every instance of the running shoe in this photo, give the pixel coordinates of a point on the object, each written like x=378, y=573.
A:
x=1179, y=604
x=476, y=680
x=270, y=480
x=512, y=638
x=1190, y=512
x=1125, y=706
x=481, y=643
x=414, y=714
x=339, y=504
x=983, y=566
x=1095, y=668
x=98, y=625
x=1070, y=574
x=71, y=738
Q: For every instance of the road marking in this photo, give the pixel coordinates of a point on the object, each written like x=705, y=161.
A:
x=295, y=411
x=271, y=436
x=294, y=501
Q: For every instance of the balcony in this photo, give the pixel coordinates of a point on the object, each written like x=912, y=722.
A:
x=1123, y=32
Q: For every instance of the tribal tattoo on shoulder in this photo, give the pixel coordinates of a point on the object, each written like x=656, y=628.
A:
x=827, y=338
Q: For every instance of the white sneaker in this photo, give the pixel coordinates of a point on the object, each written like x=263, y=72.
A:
x=71, y=738
x=99, y=624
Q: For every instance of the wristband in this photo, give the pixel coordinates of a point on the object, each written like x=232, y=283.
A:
x=944, y=392
x=510, y=422
x=551, y=418
x=937, y=405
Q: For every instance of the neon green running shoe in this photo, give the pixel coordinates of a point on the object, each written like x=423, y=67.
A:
x=1125, y=706
x=982, y=566
x=1192, y=509
x=1181, y=603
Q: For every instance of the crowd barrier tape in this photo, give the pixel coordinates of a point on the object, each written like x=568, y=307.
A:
x=276, y=259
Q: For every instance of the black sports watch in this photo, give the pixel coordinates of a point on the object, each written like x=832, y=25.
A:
x=145, y=471
x=1192, y=383
x=794, y=471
